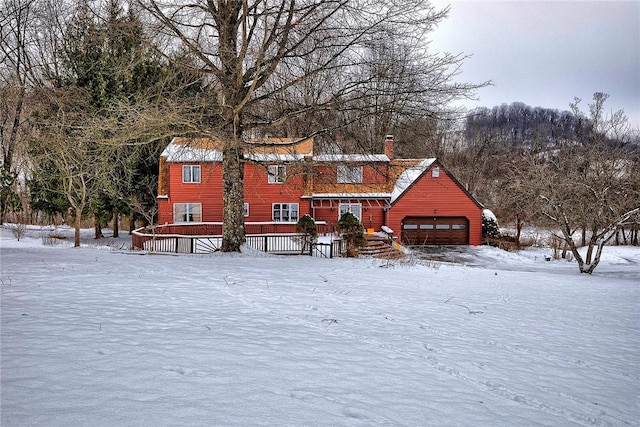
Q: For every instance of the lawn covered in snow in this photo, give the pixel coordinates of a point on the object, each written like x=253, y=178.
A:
x=100, y=336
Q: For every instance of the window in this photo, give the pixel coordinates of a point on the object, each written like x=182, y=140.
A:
x=277, y=174
x=285, y=212
x=426, y=226
x=354, y=208
x=442, y=226
x=458, y=226
x=410, y=226
x=435, y=172
x=245, y=209
x=349, y=174
x=191, y=173
x=187, y=212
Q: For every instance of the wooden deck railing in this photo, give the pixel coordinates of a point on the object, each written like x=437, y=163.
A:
x=207, y=238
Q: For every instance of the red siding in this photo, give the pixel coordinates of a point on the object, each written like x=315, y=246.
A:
x=371, y=174
x=372, y=216
x=208, y=192
x=258, y=193
x=435, y=197
x=428, y=197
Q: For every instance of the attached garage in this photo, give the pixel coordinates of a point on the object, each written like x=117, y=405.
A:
x=438, y=230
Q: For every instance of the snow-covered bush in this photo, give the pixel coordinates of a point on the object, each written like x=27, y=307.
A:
x=490, y=226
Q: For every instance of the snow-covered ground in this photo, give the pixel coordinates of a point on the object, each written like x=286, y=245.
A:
x=99, y=336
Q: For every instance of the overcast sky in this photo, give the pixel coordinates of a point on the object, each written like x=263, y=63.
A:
x=545, y=53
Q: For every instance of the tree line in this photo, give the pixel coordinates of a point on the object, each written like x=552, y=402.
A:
x=573, y=172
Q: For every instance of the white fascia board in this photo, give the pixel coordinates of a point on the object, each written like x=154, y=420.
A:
x=351, y=195
x=351, y=158
x=266, y=157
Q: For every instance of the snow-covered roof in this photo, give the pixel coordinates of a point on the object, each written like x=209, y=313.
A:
x=351, y=195
x=210, y=150
x=184, y=153
x=274, y=157
x=351, y=158
x=408, y=177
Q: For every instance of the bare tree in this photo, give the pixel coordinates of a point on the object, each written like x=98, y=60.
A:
x=255, y=51
x=16, y=39
x=592, y=182
x=65, y=139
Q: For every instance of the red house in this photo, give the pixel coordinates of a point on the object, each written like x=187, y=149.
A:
x=416, y=199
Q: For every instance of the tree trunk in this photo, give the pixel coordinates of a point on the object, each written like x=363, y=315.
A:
x=116, y=225
x=76, y=234
x=233, y=196
x=589, y=252
x=98, y=229
x=132, y=223
x=518, y=230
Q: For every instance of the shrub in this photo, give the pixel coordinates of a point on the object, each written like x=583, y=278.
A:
x=309, y=230
x=19, y=230
x=352, y=232
x=489, y=224
x=307, y=225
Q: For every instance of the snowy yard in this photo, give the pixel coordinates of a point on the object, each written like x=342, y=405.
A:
x=100, y=337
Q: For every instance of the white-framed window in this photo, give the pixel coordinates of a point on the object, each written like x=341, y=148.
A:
x=349, y=174
x=191, y=173
x=354, y=208
x=285, y=212
x=187, y=212
x=245, y=209
x=435, y=172
x=277, y=174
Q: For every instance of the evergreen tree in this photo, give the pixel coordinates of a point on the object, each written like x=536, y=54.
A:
x=352, y=231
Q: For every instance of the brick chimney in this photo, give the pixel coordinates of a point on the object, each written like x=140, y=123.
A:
x=388, y=146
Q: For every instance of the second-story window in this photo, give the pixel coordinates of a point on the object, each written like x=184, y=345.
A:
x=277, y=174
x=191, y=173
x=349, y=174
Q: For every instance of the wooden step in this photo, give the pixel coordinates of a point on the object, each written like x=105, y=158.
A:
x=379, y=248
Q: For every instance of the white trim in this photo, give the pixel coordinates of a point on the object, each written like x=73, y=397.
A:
x=351, y=195
x=289, y=210
x=349, y=174
x=267, y=157
x=187, y=212
x=275, y=177
x=349, y=206
x=192, y=168
x=351, y=158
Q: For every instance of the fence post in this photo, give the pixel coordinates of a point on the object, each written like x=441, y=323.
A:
x=193, y=241
x=177, y=244
x=266, y=249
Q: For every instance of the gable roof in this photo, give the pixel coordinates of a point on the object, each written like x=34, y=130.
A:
x=409, y=176
x=413, y=173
